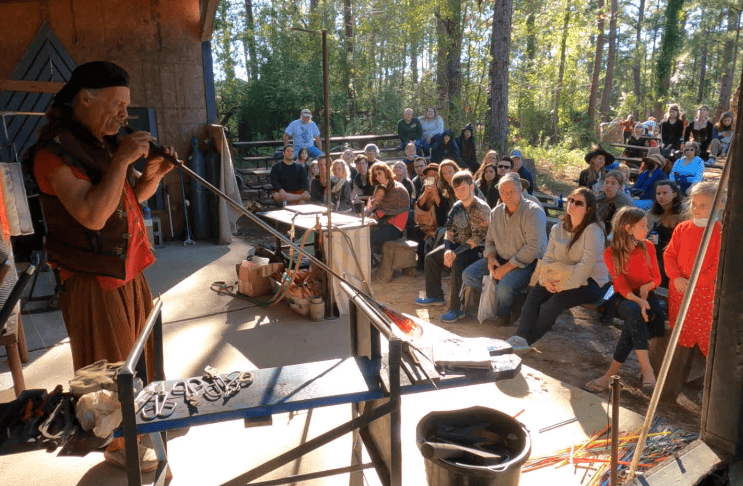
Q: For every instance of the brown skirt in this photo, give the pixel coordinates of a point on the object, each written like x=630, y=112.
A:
x=103, y=324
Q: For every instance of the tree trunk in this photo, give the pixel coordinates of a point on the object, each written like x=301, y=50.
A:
x=348, y=21
x=252, y=64
x=448, y=72
x=636, y=64
x=598, y=60
x=561, y=73
x=669, y=48
x=703, y=70
x=500, y=50
x=726, y=80
x=609, y=78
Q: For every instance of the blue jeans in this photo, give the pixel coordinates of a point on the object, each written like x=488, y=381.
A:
x=313, y=151
x=508, y=287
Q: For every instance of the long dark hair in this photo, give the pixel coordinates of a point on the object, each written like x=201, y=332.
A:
x=678, y=199
x=590, y=217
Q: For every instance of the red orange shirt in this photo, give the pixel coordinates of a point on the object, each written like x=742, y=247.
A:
x=138, y=254
x=639, y=271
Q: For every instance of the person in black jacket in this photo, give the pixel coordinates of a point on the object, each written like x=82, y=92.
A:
x=467, y=149
x=447, y=148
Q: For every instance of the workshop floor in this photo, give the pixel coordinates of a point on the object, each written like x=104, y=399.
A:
x=202, y=328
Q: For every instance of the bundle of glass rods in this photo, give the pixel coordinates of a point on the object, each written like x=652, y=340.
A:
x=594, y=454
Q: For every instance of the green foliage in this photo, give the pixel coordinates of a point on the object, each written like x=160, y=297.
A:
x=395, y=58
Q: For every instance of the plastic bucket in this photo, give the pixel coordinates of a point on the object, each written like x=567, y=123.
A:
x=463, y=427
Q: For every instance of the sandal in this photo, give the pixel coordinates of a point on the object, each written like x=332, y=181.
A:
x=592, y=387
x=648, y=388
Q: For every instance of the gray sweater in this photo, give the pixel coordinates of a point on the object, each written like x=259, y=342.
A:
x=519, y=238
x=586, y=256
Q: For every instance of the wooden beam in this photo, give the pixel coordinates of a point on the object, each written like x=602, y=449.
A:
x=208, y=12
x=30, y=86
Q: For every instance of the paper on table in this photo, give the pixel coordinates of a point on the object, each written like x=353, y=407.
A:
x=462, y=353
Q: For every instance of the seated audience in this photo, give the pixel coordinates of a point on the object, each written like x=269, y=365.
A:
x=361, y=188
x=409, y=129
x=651, y=172
x=722, y=136
x=593, y=176
x=628, y=127
x=635, y=275
x=303, y=158
x=700, y=131
x=689, y=169
x=430, y=211
x=372, y=153
x=389, y=205
x=611, y=198
x=679, y=259
x=340, y=192
x=445, y=148
x=516, y=238
x=486, y=179
x=313, y=172
x=419, y=164
x=466, y=226
x=663, y=217
x=433, y=126
x=467, y=148
x=524, y=173
x=410, y=156
x=572, y=271
x=672, y=131
x=319, y=186
x=636, y=140
x=289, y=179
x=491, y=157
x=400, y=172
x=348, y=157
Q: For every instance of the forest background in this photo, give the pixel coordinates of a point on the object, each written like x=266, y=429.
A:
x=538, y=73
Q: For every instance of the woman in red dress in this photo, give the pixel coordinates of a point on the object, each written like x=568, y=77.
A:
x=679, y=259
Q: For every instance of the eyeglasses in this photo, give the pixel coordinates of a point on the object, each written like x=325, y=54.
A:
x=576, y=202
x=504, y=166
x=689, y=150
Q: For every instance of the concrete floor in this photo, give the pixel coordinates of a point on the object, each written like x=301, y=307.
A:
x=202, y=328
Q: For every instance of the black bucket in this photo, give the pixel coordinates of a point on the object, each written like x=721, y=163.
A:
x=492, y=432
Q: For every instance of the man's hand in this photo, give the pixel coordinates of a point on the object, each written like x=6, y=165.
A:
x=681, y=284
x=132, y=147
x=449, y=257
x=157, y=166
x=492, y=265
x=502, y=270
x=471, y=242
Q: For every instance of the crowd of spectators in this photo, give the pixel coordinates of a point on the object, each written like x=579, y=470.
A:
x=478, y=221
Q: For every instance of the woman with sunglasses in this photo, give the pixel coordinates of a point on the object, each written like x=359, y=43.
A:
x=572, y=271
x=689, y=169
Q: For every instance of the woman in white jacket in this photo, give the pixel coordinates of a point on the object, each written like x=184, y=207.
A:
x=572, y=273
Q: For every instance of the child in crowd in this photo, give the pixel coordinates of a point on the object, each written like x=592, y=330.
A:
x=679, y=259
x=634, y=272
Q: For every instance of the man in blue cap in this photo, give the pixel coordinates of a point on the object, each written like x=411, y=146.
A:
x=524, y=173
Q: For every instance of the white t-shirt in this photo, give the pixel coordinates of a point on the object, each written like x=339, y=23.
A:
x=303, y=134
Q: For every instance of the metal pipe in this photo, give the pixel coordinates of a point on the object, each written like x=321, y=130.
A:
x=328, y=171
x=616, y=387
x=663, y=373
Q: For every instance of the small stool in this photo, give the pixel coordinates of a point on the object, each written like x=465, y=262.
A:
x=157, y=230
x=397, y=254
x=14, y=340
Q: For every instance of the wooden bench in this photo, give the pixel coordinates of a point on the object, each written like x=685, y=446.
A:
x=398, y=254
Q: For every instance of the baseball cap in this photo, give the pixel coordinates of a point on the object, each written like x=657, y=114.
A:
x=516, y=153
x=306, y=112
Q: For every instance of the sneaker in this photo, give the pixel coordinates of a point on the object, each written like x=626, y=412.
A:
x=518, y=344
x=452, y=316
x=147, y=458
x=430, y=301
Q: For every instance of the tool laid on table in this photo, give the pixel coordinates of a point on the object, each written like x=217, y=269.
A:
x=189, y=389
x=161, y=407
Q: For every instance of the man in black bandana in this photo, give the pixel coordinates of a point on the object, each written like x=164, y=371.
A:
x=90, y=194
